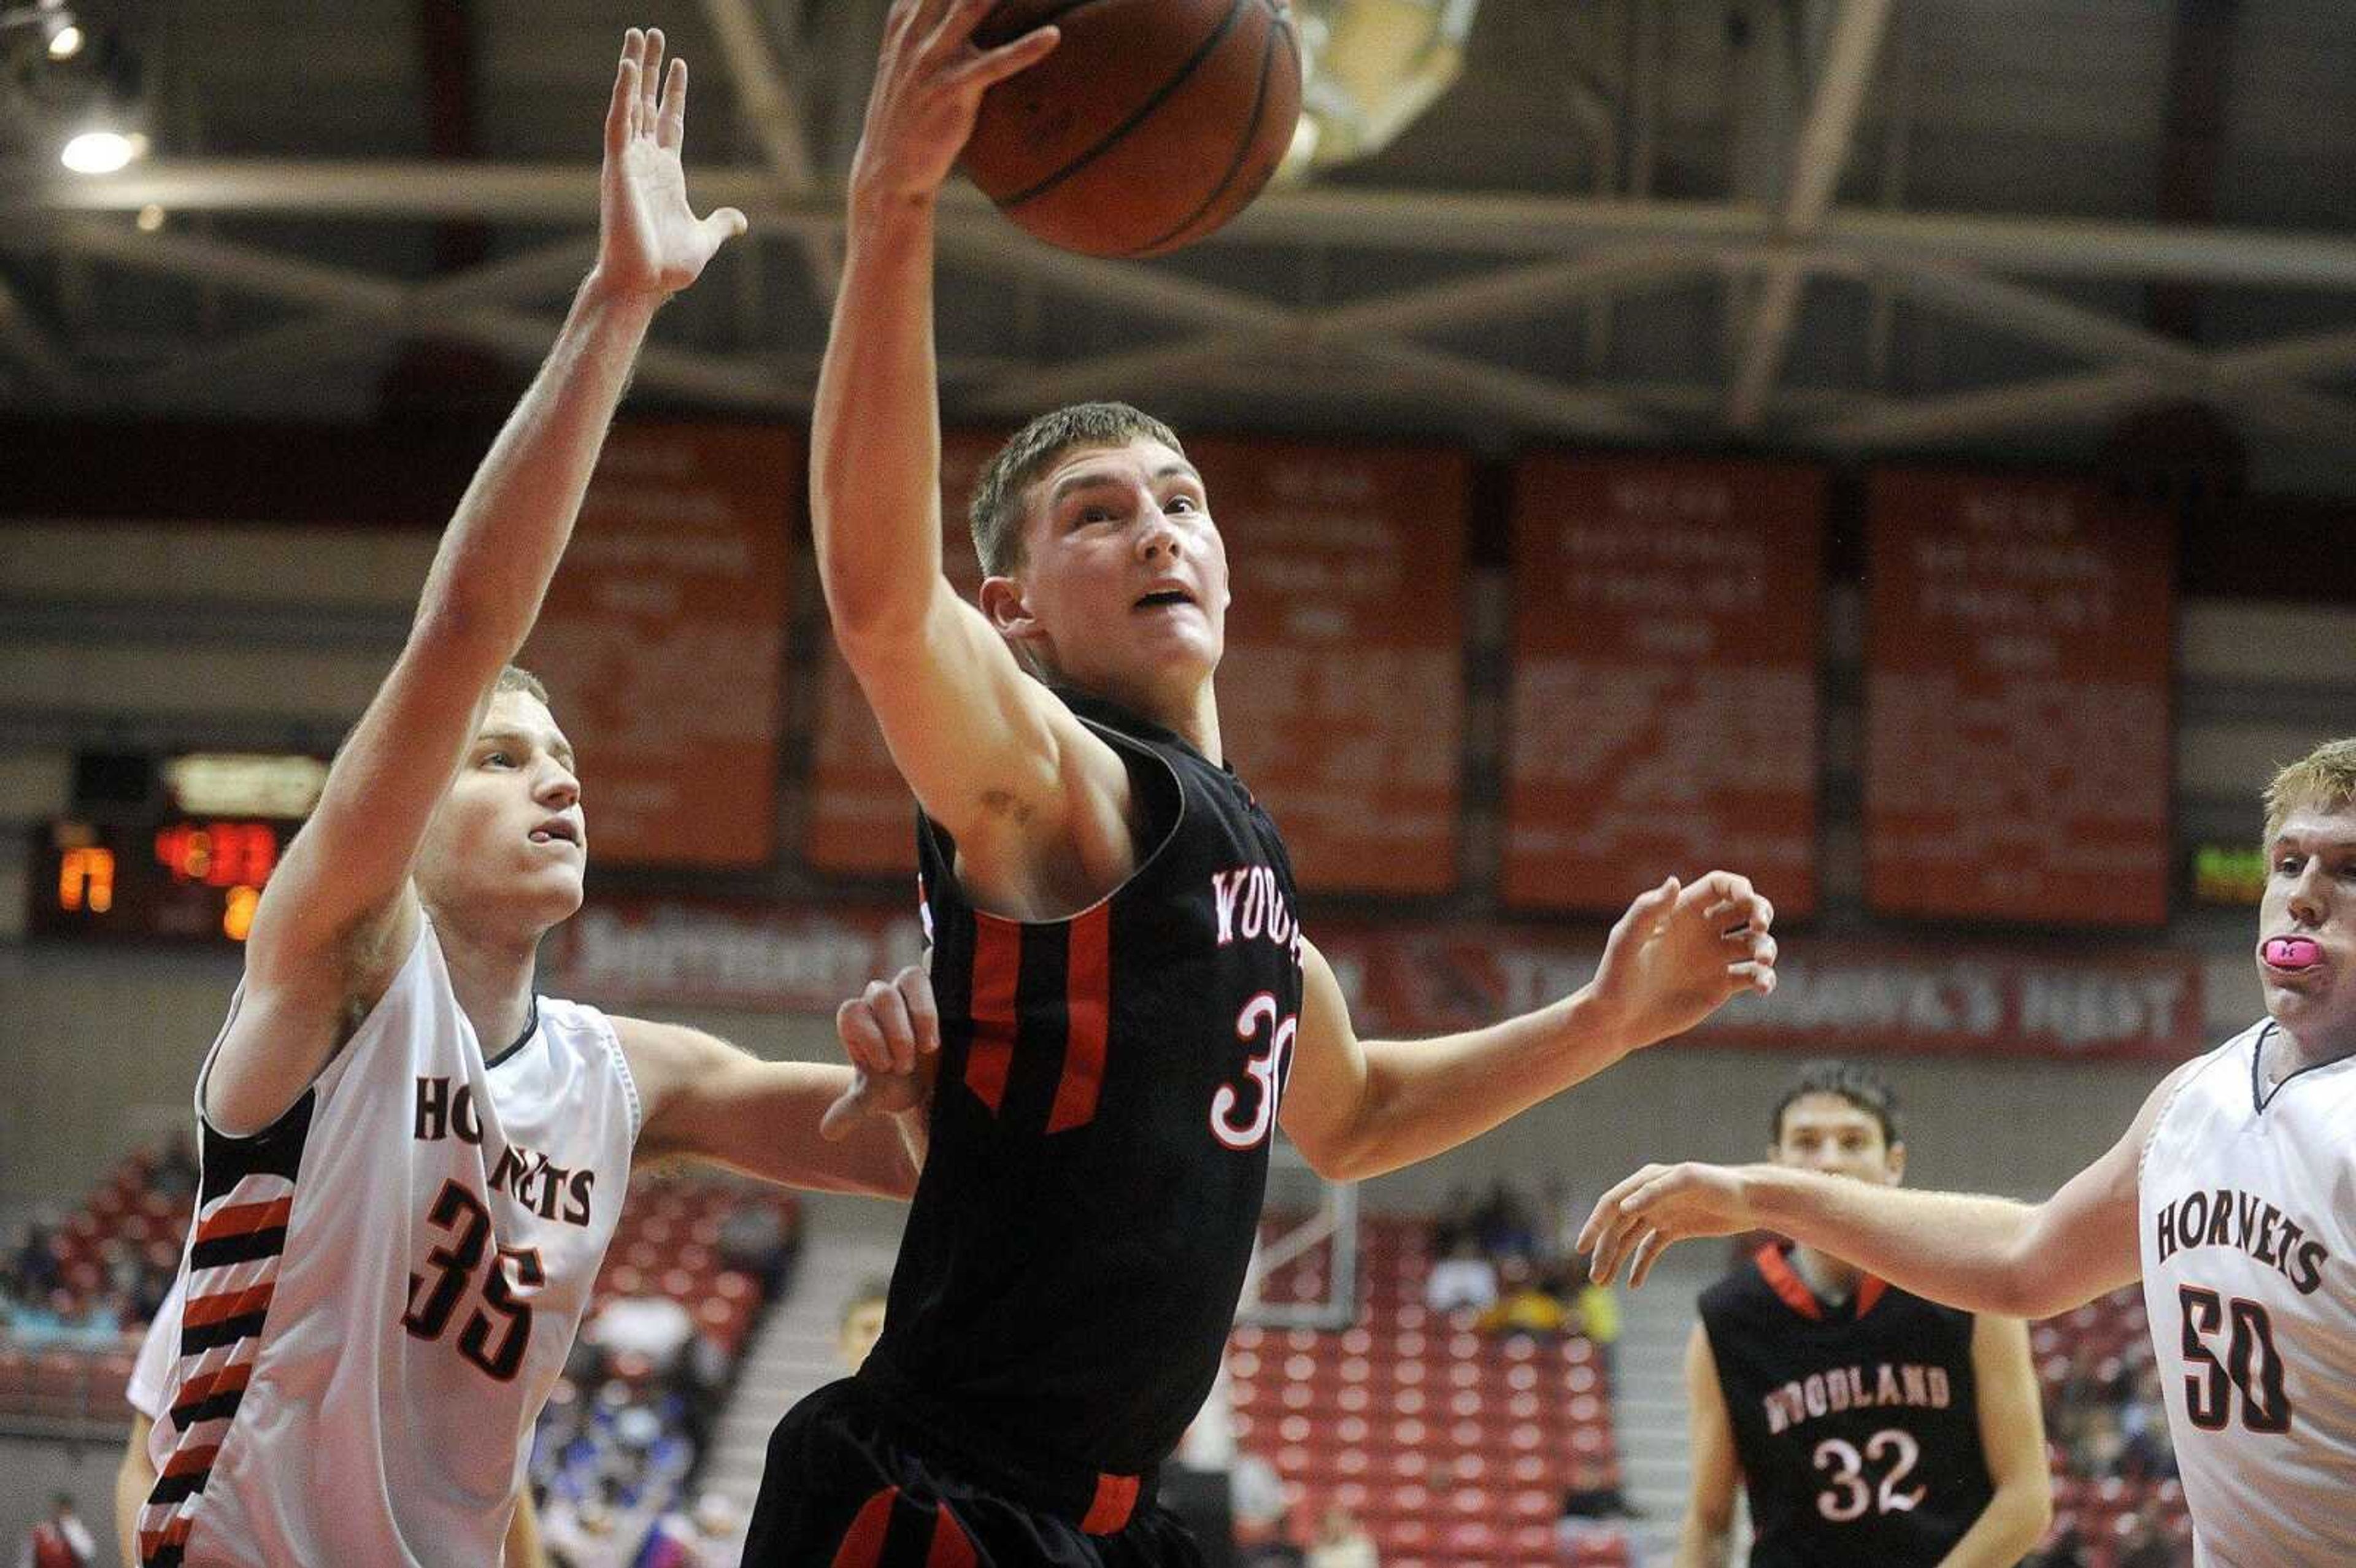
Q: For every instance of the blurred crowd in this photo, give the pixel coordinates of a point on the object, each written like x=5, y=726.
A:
x=1510, y=1260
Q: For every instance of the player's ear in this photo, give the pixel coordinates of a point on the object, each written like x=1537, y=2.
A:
x=1894, y=1162
x=1006, y=607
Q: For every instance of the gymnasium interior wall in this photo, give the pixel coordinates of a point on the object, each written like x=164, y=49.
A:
x=185, y=631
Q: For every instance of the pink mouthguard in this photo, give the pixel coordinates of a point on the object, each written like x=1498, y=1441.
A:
x=2292, y=952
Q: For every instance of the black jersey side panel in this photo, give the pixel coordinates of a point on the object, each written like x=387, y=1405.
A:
x=1858, y=1431
x=1100, y=1133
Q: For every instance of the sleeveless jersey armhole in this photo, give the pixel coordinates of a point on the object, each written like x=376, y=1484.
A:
x=612, y=1039
x=2198, y=1065
x=1165, y=797
x=331, y=1070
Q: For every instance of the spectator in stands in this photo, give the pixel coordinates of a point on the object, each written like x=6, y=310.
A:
x=2066, y=1548
x=1256, y=1496
x=2145, y=1545
x=2145, y=1453
x=863, y=1321
x=1342, y=1542
x=1524, y=1305
x=1462, y=1279
x=60, y=1541
x=175, y=1173
x=1596, y=1314
x=1455, y=1222
x=1592, y=1508
x=36, y=1272
x=653, y=1327
x=757, y=1239
x=1505, y=1224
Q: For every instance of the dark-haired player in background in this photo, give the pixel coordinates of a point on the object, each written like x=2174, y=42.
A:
x=1871, y=1428
x=1126, y=995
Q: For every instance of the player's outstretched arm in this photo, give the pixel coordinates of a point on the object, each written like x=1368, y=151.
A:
x=993, y=757
x=2012, y=1437
x=1707, y=1538
x=1983, y=1255
x=339, y=913
x=800, y=1124
x=1358, y=1108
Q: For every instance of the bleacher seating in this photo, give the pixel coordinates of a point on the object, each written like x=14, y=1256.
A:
x=2096, y=1352
x=1454, y=1446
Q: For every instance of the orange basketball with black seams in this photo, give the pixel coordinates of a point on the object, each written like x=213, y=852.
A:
x=1151, y=123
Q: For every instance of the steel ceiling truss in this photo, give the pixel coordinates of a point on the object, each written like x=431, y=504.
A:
x=1531, y=259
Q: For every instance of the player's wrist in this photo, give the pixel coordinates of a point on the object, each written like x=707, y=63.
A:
x=609, y=299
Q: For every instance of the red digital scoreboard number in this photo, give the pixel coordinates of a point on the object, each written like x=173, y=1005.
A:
x=183, y=879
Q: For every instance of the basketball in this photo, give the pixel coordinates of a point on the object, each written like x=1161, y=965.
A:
x=1152, y=123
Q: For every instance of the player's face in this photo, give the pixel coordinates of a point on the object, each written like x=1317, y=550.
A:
x=1124, y=584
x=509, y=839
x=2310, y=900
x=1827, y=1132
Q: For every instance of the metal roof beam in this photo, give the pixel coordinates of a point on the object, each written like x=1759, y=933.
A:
x=767, y=100
x=1374, y=219
x=1817, y=159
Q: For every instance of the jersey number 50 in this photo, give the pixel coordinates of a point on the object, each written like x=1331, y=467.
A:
x=457, y=1211
x=2250, y=1365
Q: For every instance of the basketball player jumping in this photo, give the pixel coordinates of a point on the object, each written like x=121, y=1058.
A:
x=1126, y=995
x=412, y=1165
x=1871, y=1428
x=2229, y=1198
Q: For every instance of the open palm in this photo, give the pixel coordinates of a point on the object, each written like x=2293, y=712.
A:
x=649, y=239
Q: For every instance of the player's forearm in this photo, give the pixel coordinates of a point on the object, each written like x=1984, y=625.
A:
x=1425, y=1096
x=2007, y=1530
x=503, y=543
x=1952, y=1247
x=876, y=438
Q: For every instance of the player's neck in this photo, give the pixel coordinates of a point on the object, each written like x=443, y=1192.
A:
x=491, y=975
x=2292, y=1050
x=1834, y=1282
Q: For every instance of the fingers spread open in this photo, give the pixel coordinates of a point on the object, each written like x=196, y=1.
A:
x=670, y=127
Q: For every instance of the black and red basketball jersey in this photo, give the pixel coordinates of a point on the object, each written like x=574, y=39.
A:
x=1108, y=1085
x=1857, y=1426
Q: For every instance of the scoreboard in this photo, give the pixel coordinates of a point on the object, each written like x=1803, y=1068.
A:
x=175, y=876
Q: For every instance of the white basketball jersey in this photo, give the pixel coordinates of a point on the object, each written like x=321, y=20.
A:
x=380, y=1289
x=2248, y=1220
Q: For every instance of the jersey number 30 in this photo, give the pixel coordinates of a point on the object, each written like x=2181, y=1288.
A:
x=2250, y=1365
x=1849, y=1495
x=462, y=1213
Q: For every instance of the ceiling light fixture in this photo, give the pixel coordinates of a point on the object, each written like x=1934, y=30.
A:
x=101, y=152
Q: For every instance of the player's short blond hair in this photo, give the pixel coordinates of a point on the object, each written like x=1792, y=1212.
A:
x=515, y=677
x=2324, y=779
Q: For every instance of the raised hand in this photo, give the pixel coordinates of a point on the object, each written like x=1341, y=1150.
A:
x=891, y=1032
x=1680, y=953
x=928, y=88
x=1639, y=1219
x=649, y=239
